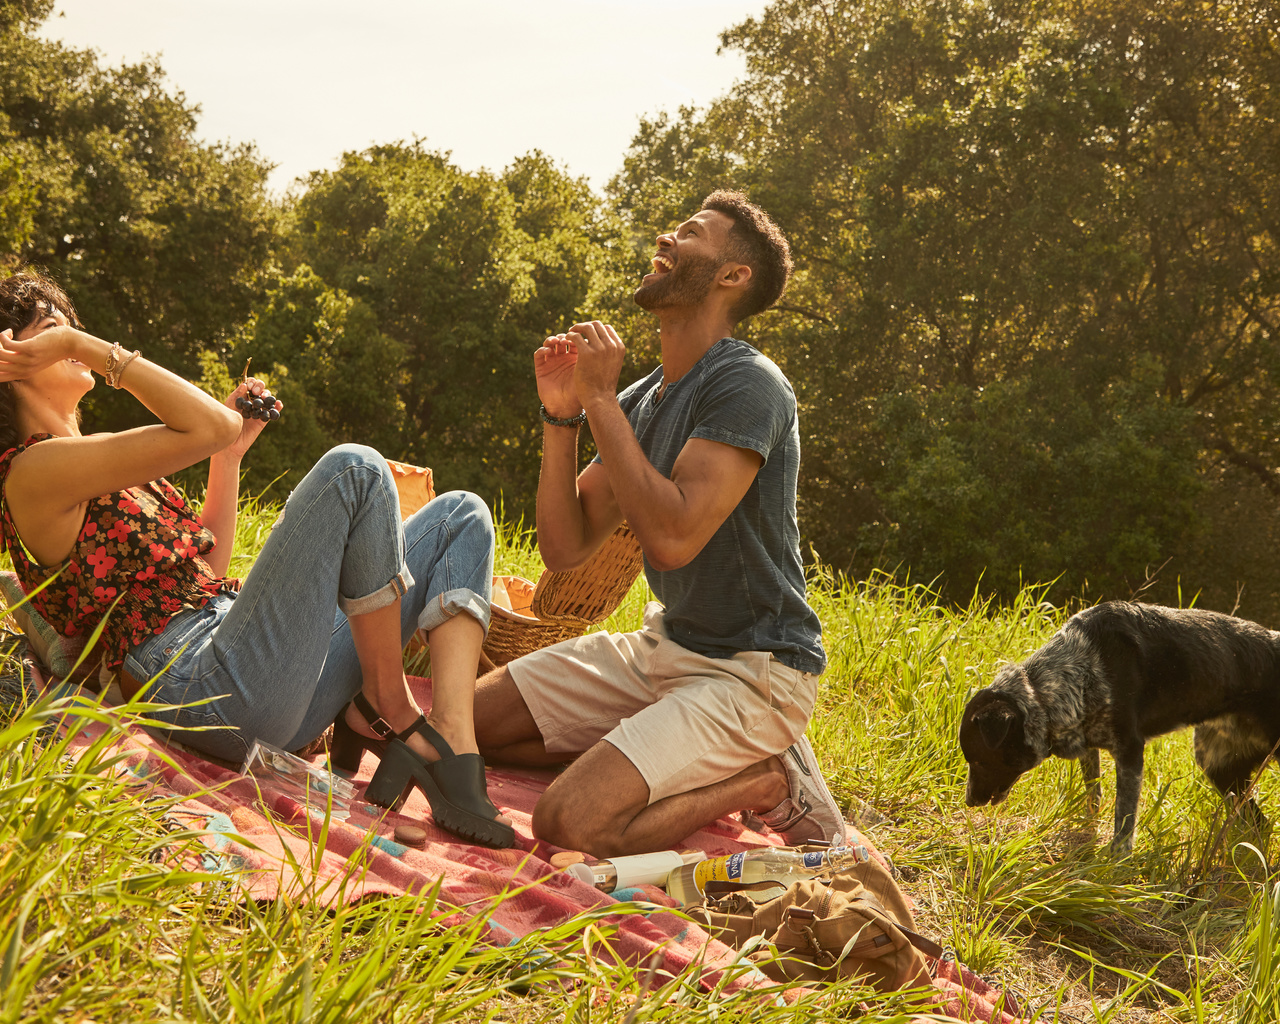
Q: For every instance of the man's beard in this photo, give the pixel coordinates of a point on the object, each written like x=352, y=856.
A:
x=687, y=285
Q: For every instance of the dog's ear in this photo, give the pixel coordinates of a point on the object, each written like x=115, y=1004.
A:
x=993, y=725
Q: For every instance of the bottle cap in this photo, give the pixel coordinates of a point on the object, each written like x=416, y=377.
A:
x=566, y=857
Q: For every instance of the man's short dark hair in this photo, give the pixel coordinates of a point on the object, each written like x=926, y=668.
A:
x=26, y=294
x=758, y=242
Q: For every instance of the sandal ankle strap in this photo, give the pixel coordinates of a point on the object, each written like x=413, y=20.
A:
x=380, y=726
x=423, y=727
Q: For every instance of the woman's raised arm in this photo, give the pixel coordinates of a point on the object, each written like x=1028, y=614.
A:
x=52, y=480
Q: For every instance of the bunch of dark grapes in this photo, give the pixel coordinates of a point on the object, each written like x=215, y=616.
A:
x=258, y=407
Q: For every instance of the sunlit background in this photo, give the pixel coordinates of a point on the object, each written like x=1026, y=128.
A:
x=309, y=79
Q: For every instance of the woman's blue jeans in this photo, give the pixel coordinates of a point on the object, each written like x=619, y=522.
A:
x=276, y=661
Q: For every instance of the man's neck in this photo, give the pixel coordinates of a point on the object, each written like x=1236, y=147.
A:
x=686, y=335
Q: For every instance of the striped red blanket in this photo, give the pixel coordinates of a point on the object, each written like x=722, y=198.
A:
x=269, y=842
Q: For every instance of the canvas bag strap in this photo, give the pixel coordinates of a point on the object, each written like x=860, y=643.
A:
x=926, y=946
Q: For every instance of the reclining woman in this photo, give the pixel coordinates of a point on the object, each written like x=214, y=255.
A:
x=314, y=633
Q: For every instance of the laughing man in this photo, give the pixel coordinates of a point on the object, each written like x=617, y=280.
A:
x=703, y=711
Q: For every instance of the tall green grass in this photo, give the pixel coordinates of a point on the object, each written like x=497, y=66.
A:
x=102, y=917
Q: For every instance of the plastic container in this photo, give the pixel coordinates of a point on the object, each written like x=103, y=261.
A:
x=303, y=781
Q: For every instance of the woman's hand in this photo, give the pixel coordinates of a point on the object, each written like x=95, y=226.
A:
x=20, y=359
x=249, y=432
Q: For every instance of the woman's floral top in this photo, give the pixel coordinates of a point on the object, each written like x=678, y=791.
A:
x=140, y=550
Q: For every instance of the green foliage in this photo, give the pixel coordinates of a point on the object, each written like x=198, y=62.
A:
x=324, y=355
x=23, y=13
x=989, y=193
x=1032, y=327
x=111, y=909
x=417, y=296
x=1026, y=891
x=17, y=197
x=1026, y=479
x=158, y=238
x=1259, y=947
x=99, y=918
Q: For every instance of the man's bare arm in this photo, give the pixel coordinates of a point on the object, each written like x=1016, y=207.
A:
x=672, y=518
x=576, y=513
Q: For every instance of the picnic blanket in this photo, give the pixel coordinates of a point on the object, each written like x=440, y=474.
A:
x=278, y=847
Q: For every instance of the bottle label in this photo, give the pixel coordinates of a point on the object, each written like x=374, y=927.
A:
x=815, y=860
x=645, y=868
x=718, y=869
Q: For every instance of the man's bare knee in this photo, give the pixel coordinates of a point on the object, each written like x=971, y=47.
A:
x=553, y=823
x=563, y=823
x=591, y=805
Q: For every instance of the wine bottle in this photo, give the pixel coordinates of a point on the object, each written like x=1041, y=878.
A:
x=688, y=883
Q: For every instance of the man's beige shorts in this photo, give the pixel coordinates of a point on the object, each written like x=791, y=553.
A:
x=683, y=719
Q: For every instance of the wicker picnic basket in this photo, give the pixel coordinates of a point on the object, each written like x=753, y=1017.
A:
x=563, y=604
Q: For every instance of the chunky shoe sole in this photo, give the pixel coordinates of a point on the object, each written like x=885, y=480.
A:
x=448, y=784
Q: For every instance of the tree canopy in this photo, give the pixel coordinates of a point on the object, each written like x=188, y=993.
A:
x=415, y=297
x=159, y=239
x=1033, y=313
x=1032, y=324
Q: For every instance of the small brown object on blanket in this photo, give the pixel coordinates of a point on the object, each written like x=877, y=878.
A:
x=411, y=835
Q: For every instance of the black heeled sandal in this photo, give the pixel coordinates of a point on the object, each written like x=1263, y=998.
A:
x=454, y=786
x=348, y=746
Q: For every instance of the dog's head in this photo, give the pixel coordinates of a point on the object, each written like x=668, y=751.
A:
x=993, y=738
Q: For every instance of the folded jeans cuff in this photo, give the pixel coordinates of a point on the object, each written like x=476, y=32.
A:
x=396, y=588
x=445, y=606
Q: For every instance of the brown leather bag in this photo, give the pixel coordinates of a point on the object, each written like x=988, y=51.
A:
x=857, y=924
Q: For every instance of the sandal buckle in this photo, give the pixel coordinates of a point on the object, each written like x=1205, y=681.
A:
x=382, y=728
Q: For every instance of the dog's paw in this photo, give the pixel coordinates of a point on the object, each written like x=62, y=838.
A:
x=1252, y=816
x=1121, y=846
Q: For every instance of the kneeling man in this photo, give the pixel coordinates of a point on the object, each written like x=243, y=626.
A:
x=703, y=711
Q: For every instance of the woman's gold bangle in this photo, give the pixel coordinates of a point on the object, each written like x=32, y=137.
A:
x=117, y=360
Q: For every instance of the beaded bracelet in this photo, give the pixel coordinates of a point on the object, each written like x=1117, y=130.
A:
x=556, y=421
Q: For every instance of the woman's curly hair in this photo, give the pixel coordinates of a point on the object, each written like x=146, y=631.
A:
x=25, y=295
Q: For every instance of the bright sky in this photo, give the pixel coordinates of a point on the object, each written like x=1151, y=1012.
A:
x=487, y=79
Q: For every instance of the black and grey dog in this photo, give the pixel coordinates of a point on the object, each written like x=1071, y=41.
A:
x=1113, y=677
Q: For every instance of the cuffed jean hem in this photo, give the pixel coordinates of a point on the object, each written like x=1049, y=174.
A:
x=441, y=609
x=380, y=598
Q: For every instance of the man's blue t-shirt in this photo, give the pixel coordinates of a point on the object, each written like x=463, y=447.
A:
x=745, y=590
